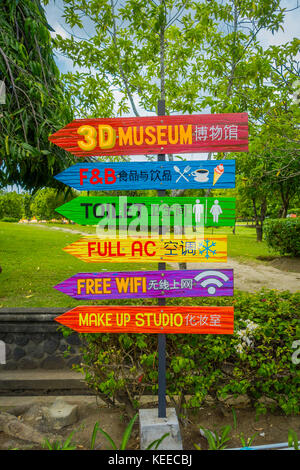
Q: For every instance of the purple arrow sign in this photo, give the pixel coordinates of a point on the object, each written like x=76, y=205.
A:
x=149, y=284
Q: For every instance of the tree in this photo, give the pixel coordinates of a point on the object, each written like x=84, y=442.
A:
x=36, y=102
x=196, y=55
x=245, y=77
x=137, y=48
x=11, y=205
x=45, y=201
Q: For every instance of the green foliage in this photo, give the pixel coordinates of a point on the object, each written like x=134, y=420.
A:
x=27, y=214
x=10, y=219
x=155, y=444
x=255, y=360
x=217, y=440
x=125, y=437
x=11, y=205
x=45, y=201
x=125, y=53
x=59, y=445
x=36, y=103
x=283, y=235
x=247, y=442
x=180, y=51
x=293, y=439
x=295, y=210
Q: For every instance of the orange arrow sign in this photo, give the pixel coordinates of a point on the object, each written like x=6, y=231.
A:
x=156, y=319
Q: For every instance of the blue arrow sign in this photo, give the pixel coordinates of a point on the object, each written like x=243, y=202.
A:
x=107, y=176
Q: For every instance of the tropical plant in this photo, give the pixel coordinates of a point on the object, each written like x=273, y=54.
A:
x=60, y=445
x=125, y=437
x=36, y=103
x=217, y=440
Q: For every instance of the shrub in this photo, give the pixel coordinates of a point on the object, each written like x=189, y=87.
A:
x=296, y=211
x=44, y=204
x=256, y=360
x=283, y=235
x=10, y=219
x=46, y=200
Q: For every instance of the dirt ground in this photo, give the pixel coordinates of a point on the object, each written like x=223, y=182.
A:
x=269, y=428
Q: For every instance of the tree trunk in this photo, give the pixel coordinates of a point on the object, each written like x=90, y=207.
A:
x=285, y=198
x=259, y=233
x=259, y=219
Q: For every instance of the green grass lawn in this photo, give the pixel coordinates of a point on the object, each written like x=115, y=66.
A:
x=33, y=261
x=243, y=244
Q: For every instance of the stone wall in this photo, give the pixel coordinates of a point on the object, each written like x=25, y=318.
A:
x=32, y=340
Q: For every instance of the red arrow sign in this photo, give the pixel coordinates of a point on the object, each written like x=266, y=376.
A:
x=155, y=134
x=156, y=319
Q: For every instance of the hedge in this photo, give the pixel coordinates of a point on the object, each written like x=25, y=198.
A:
x=256, y=360
x=283, y=235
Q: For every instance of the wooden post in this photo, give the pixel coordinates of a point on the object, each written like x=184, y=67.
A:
x=162, y=302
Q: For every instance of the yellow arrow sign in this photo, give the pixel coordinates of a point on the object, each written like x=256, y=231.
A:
x=202, y=250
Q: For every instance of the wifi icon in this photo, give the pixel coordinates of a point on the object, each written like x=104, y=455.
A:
x=217, y=278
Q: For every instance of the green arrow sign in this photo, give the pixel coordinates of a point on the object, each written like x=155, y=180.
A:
x=168, y=211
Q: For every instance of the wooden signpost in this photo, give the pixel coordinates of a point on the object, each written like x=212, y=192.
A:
x=193, y=174
x=149, y=284
x=170, y=211
x=149, y=319
x=155, y=135
x=125, y=250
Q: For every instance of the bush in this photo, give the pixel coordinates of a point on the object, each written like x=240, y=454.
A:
x=256, y=360
x=45, y=201
x=295, y=211
x=44, y=204
x=10, y=219
x=283, y=235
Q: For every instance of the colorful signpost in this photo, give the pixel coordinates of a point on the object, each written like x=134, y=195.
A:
x=95, y=250
x=193, y=174
x=149, y=284
x=155, y=135
x=153, y=319
x=180, y=211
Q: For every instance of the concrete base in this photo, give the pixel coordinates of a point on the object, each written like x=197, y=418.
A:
x=152, y=428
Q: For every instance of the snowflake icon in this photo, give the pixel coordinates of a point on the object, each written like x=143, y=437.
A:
x=207, y=248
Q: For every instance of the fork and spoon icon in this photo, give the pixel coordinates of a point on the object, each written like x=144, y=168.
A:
x=186, y=170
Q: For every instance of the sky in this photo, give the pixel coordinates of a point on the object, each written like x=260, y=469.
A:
x=54, y=12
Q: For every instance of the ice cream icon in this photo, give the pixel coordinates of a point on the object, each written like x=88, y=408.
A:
x=218, y=172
